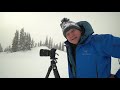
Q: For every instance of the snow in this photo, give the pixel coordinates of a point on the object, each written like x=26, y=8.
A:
x=30, y=64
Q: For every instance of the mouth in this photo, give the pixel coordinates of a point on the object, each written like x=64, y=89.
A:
x=74, y=38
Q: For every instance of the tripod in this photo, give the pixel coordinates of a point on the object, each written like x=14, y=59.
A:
x=53, y=65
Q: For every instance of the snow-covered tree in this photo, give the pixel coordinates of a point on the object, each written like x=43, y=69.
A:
x=1, y=49
x=46, y=41
x=32, y=43
x=15, y=42
x=22, y=39
x=63, y=47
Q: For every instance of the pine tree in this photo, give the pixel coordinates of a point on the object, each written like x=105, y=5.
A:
x=46, y=42
x=1, y=49
x=62, y=46
x=15, y=42
x=32, y=43
x=50, y=43
x=40, y=43
x=22, y=39
x=29, y=42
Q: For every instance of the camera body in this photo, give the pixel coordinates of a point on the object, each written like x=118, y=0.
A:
x=46, y=52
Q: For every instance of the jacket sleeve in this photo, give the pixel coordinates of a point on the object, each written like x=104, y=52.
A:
x=111, y=45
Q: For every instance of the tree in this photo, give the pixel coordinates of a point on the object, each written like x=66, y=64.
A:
x=63, y=47
x=50, y=43
x=1, y=49
x=46, y=42
x=29, y=42
x=32, y=43
x=60, y=46
x=40, y=43
x=22, y=39
x=15, y=42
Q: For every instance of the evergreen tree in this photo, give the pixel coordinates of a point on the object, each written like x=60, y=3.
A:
x=1, y=49
x=32, y=43
x=50, y=43
x=22, y=39
x=35, y=45
x=9, y=48
x=62, y=46
x=29, y=42
x=46, y=42
x=40, y=43
x=15, y=42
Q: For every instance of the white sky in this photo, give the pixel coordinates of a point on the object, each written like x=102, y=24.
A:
x=41, y=24
x=30, y=65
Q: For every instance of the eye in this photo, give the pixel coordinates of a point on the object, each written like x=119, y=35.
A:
x=67, y=34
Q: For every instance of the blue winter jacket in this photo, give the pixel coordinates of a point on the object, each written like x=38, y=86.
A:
x=93, y=54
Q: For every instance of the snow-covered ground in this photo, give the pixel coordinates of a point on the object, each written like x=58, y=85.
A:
x=30, y=65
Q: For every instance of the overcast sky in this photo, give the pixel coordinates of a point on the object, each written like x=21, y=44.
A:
x=41, y=24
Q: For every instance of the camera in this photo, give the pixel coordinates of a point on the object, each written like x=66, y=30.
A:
x=46, y=52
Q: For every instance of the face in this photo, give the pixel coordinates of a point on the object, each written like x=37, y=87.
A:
x=73, y=36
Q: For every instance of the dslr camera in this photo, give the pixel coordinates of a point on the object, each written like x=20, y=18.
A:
x=46, y=52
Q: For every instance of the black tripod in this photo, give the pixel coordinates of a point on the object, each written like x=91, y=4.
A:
x=53, y=65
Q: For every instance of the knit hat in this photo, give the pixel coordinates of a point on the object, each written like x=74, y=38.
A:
x=66, y=25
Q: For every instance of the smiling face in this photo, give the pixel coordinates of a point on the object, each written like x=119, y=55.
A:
x=73, y=36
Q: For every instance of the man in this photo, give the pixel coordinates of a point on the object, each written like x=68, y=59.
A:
x=89, y=56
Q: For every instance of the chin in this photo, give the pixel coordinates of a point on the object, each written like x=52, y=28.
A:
x=75, y=43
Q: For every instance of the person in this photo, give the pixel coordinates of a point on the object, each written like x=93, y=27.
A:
x=89, y=55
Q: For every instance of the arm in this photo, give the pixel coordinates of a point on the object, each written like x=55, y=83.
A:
x=111, y=45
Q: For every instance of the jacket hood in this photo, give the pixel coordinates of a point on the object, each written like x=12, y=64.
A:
x=87, y=30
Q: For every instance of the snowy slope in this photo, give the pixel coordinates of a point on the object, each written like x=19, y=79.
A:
x=30, y=65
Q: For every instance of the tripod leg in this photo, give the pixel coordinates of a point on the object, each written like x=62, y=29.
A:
x=48, y=73
x=56, y=73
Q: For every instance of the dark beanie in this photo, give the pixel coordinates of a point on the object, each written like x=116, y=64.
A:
x=67, y=25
